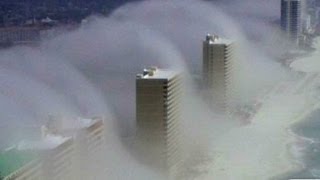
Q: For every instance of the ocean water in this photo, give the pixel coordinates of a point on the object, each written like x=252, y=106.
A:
x=307, y=151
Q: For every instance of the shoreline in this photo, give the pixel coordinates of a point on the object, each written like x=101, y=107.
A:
x=297, y=144
x=261, y=150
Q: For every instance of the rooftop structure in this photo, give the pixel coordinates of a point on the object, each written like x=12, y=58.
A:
x=215, y=39
x=155, y=73
x=48, y=142
x=89, y=130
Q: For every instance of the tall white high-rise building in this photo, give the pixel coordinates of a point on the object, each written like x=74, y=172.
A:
x=158, y=105
x=291, y=12
x=217, y=66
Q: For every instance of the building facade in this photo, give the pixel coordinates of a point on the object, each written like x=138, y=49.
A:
x=291, y=12
x=50, y=158
x=218, y=57
x=158, y=106
x=58, y=160
x=89, y=141
x=72, y=151
x=20, y=35
x=94, y=135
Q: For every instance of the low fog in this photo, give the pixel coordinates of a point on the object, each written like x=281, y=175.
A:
x=91, y=71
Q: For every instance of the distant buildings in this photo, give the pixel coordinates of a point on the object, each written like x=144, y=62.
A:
x=19, y=35
x=158, y=105
x=14, y=13
x=291, y=18
x=217, y=66
x=307, y=23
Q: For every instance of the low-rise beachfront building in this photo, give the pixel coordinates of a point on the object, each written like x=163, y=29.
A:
x=50, y=158
x=67, y=150
x=89, y=141
x=57, y=158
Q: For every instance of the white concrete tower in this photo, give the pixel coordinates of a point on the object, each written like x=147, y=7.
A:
x=217, y=66
x=158, y=106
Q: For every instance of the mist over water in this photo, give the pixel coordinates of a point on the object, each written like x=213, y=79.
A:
x=91, y=71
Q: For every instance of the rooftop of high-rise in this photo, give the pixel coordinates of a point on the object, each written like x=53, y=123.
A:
x=215, y=39
x=48, y=142
x=156, y=73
